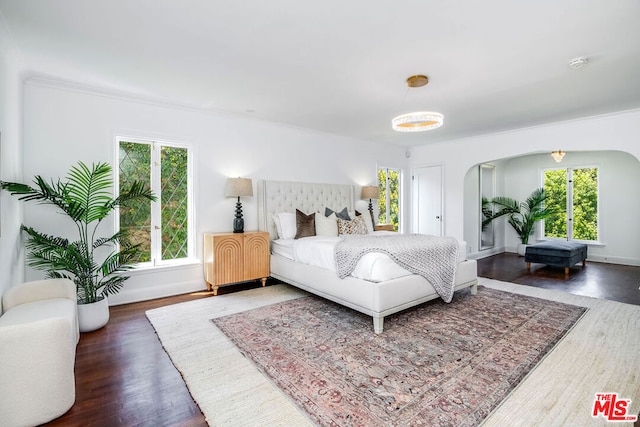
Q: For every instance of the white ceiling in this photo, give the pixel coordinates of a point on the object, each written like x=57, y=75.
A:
x=340, y=66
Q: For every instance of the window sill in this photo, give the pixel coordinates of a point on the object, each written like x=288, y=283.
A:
x=148, y=268
x=586, y=242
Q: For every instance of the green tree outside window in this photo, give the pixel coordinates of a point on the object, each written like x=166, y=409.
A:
x=389, y=201
x=172, y=210
x=573, y=192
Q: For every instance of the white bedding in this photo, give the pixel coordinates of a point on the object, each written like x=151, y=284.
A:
x=319, y=251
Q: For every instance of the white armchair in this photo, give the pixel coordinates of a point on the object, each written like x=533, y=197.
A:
x=38, y=338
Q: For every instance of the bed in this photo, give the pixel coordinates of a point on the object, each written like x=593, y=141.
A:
x=374, y=298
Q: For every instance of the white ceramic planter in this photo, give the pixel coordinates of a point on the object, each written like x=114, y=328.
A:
x=522, y=248
x=93, y=316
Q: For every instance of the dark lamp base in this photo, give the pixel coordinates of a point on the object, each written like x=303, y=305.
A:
x=238, y=221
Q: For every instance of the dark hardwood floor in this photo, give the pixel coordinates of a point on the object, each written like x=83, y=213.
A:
x=124, y=377
x=598, y=280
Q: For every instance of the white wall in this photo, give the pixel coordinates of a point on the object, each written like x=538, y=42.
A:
x=11, y=252
x=613, y=132
x=63, y=126
x=618, y=207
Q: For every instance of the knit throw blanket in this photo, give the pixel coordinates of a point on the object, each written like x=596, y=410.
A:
x=434, y=258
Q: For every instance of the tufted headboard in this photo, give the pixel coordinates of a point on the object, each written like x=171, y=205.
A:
x=281, y=196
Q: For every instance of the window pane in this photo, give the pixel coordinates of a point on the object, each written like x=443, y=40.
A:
x=388, y=203
x=555, y=187
x=382, y=201
x=135, y=218
x=174, y=198
x=581, y=223
x=394, y=198
x=585, y=204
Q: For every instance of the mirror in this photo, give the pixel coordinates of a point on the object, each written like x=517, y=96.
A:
x=487, y=192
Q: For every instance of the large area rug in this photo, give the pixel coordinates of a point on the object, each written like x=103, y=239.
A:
x=436, y=364
x=599, y=354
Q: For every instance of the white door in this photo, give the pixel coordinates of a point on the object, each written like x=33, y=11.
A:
x=427, y=200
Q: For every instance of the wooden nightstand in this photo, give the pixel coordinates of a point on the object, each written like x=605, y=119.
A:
x=383, y=227
x=235, y=257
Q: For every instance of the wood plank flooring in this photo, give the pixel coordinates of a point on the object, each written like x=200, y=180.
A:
x=124, y=377
x=598, y=280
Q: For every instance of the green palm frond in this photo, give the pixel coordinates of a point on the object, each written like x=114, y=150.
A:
x=506, y=204
x=53, y=194
x=85, y=198
x=90, y=191
x=118, y=238
x=113, y=285
x=136, y=191
x=114, y=263
x=46, y=241
x=522, y=216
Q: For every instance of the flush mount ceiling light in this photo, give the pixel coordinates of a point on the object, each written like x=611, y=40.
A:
x=558, y=155
x=417, y=121
x=577, y=63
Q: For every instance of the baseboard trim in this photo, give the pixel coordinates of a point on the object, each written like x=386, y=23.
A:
x=148, y=293
x=486, y=253
x=614, y=260
x=594, y=258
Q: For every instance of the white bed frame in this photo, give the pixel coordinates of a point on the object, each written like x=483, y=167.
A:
x=376, y=299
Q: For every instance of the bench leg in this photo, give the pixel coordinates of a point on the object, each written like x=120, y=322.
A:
x=528, y=266
x=584, y=262
x=566, y=272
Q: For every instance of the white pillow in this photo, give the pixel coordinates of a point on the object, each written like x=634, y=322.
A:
x=326, y=225
x=288, y=225
x=276, y=221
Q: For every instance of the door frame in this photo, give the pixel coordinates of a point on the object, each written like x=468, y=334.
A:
x=414, y=198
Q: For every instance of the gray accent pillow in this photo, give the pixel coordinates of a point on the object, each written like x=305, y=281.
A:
x=343, y=214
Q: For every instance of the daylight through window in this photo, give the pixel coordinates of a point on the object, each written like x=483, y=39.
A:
x=573, y=194
x=162, y=228
x=388, y=203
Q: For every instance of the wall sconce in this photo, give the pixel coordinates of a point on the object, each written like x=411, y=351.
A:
x=238, y=187
x=558, y=155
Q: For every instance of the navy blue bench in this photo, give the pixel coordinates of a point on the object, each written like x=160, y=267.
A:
x=559, y=253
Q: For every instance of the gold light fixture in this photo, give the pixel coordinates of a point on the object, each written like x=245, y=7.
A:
x=417, y=121
x=558, y=155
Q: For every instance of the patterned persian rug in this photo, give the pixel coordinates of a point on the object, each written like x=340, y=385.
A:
x=435, y=364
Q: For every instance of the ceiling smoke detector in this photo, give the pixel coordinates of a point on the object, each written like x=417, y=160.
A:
x=577, y=63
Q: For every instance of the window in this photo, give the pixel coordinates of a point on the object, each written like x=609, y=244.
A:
x=162, y=228
x=389, y=201
x=573, y=193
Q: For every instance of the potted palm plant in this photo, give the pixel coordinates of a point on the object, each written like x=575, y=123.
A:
x=86, y=198
x=522, y=216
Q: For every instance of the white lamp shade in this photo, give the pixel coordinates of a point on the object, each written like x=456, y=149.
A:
x=238, y=187
x=370, y=192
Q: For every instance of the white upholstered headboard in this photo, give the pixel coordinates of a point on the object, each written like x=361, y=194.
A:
x=281, y=196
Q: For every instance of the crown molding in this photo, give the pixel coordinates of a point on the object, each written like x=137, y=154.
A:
x=7, y=42
x=42, y=80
